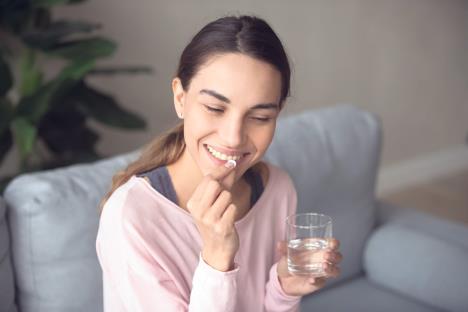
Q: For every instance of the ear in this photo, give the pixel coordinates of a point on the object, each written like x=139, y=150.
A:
x=179, y=96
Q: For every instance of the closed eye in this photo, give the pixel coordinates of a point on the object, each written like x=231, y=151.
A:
x=219, y=111
x=213, y=109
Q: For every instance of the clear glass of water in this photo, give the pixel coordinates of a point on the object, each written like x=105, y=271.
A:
x=307, y=234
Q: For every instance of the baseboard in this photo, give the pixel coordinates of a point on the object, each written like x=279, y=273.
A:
x=406, y=174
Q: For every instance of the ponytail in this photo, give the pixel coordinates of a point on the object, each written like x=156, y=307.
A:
x=163, y=150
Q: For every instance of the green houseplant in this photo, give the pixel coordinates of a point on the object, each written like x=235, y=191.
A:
x=46, y=118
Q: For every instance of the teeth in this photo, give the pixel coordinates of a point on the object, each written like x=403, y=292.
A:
x=222, y=156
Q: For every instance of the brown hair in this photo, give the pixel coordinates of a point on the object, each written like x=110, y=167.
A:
x=248, y=35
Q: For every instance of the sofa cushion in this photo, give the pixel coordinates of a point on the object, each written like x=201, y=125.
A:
x=7, y=285
x=361, y=295
x=419, y=265
x=332, y=156
x=53, y=222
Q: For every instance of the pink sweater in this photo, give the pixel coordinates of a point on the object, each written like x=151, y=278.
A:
x=149, y=251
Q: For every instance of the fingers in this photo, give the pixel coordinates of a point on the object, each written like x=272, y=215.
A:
x=209, y=186
x=330, y=261
x=220, y=205
x=192, y=203
x=228, y=218
x=219, y=173
x=327, y=258
x=306, y=257
x=212, y=190
x=331, y=270
x=327, y=254
x=333, y=243
x=318, y=282
x=332, y=256
x=282, y=247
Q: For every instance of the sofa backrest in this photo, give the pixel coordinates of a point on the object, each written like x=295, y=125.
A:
x=331, y=155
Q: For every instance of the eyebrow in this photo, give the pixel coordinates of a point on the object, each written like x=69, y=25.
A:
x=226, y=100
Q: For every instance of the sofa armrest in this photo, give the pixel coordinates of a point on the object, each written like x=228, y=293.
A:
x=447, y=230
x=53, y=222
x=7, y=283
x=418, y=265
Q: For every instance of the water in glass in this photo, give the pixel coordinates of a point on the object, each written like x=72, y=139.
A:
x=303, y=258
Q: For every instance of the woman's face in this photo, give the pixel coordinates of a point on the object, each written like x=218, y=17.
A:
x=229, y=110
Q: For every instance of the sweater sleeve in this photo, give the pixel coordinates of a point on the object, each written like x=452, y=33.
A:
x=139, y=283
x=276, y=300
x=213, y=290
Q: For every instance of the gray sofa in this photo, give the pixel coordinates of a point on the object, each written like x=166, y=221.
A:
x=394, y=259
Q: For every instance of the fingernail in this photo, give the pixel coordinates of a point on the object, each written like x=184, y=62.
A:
x=231, y=163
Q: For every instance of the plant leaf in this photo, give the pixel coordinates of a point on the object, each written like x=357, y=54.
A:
x=6, y=114
x=69, y=140
x=6, y=79
x=76, y=70
x=47, y=3
x=115, y=70
x=36, y=105
x=24, y=134
x=90, y=48
x=83, y=156
x=6, y=142
x=15, y=15
x=105, y=109
x=64, y=130
x=42, y=19
x=56, y=31
x=51, y=3
x=31, y=77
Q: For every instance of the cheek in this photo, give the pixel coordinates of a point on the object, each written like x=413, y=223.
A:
x=197, y=124
x=262, y=138
x=198, y=118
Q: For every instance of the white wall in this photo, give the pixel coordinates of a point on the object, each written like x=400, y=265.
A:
x=404, y=60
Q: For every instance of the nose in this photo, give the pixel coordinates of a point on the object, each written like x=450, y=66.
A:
x=232, y=132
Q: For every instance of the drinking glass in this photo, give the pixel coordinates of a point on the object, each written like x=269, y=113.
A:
x=306, y=235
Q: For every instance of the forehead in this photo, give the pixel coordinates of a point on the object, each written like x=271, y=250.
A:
x=238, y=77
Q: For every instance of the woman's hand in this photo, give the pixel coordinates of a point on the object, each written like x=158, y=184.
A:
x=214, y=214
x=299, y=285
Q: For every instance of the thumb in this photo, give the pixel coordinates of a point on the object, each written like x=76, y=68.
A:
x=282, y=268
x=282, y=248
x=222, y=171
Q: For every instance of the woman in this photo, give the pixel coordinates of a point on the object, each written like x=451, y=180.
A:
x=197, y=222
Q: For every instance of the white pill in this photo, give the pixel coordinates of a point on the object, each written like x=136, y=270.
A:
x=231, y=163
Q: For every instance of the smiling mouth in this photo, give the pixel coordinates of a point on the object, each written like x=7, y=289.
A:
x=222, y=156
